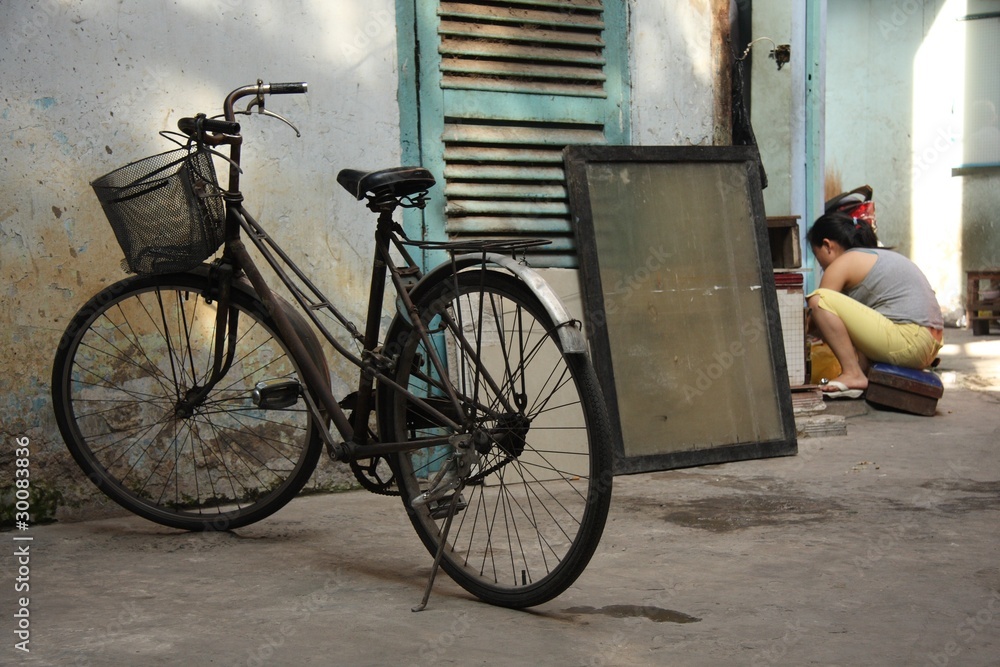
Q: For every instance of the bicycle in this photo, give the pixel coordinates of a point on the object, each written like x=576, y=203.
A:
x=195, y=396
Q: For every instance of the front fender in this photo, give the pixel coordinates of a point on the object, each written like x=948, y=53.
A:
x=295, y=318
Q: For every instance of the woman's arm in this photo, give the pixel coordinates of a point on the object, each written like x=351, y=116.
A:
x=848, y=270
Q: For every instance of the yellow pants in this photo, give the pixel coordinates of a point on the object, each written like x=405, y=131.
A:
x=876, y=336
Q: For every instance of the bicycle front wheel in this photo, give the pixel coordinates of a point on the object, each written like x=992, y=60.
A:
x=122, y=383
x=534, y=501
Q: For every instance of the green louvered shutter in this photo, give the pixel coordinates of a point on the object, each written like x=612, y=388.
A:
x=503, y=88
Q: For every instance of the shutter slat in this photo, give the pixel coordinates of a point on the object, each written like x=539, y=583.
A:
x=523, y=17
x=471, y=48
x=537, y=87
x=534, y=70
x=575, y=5
x=505, y=190
x=472, y=206
x=512, y=225
x=486, y=106
x=520, y=135
x=518, y=155
x=536, y=35
x=503, y=173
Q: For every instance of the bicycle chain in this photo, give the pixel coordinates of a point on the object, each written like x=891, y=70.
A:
x=366, y=472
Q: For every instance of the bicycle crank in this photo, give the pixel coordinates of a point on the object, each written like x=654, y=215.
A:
x=375, y=475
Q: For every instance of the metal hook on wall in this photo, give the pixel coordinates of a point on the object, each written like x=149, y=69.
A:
x=780, y=53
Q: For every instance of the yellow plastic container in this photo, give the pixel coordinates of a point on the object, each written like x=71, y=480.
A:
x=824, y=363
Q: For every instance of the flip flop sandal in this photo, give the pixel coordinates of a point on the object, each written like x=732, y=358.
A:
x=841, y=390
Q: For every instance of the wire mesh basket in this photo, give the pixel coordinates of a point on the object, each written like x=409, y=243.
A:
x=166, y=210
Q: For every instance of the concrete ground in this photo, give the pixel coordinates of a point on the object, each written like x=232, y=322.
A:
x=878, y=548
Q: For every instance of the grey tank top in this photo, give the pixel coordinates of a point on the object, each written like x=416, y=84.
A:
x=898, y=289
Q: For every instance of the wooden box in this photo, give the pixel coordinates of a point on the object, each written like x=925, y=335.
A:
x=983, y=305
x=783, y=237
x=904, y=389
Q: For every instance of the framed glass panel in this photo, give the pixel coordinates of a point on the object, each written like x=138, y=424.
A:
x=681, y=308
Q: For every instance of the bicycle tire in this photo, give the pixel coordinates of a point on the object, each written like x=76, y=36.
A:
x=126, y=359
x=536, y=503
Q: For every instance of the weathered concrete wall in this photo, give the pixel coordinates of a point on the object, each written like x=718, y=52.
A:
x=895, y=78
x=674, y=71
x=86, y=87
x=777, y=119
x=676, y=87
x=870, y=108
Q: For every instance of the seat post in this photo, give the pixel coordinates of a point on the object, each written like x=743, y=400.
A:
x=373, y=322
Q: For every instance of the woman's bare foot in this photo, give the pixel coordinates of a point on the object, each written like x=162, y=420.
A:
x=849, y=381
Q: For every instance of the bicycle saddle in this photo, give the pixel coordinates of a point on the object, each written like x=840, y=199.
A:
x=397, y=181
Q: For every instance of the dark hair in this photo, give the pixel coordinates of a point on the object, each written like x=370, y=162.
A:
x=845, y=230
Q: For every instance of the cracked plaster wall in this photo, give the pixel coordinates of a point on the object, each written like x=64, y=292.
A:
x=87, y=84
x=86, y=87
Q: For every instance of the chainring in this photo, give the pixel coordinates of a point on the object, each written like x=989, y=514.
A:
x=371, y=475
x=374, y=474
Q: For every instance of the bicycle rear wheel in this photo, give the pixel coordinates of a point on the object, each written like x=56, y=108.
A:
x=534, y=502
x=125, y=366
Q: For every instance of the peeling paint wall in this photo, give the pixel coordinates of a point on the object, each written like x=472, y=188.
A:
x=896, y=74
x=777, y=105
x=675, y=63
x=86, y=87
x=87, y=84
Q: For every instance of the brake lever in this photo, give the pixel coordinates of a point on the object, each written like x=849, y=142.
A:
x=267, y=112
x=262, y=111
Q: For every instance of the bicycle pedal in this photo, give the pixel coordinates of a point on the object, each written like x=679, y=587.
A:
x=440, y=509
x=276, y=394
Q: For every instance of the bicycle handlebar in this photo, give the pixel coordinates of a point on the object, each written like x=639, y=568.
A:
x=218, y=132
x=194, y=126
x=286, y=88
x=227, y=131
x=258, y=90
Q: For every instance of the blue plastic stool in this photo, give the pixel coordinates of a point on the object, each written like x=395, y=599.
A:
x=906, y=389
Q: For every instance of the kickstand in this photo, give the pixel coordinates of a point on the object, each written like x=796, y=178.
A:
x=440, y=552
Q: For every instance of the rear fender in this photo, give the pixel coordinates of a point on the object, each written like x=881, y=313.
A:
x=569, y=330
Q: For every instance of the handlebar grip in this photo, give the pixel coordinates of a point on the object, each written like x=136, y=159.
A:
x=189, y=126
x=287, y=88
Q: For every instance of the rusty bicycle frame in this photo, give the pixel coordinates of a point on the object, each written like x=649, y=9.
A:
x=478, y=351
x=372, y=363
x=356, y=442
